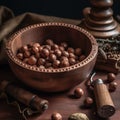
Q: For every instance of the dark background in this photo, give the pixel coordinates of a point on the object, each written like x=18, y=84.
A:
x=61, y=8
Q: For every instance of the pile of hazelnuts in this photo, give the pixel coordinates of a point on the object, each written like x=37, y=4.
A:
x=50, y=54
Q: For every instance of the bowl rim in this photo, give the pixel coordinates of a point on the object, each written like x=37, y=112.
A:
x=90, y=57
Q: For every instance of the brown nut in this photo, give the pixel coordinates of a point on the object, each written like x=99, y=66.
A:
x=78, y=92
x=64, y=63
x=27, y=54
x=58, y=53
x=72, y=61
x=70, y=50
x=20, y=56
x=45, y=52
x=78, y=51
x=82, y=57
x=24, y=48
x=112, y=86
x=64, y=44
x=32, y=60
x=88, y=102
x=56, y=63
x=111, y=77
x=65, y=53
x=49, y=42
x=56, y=116
x=41, y=61
x=52, y=57
x=36, y=45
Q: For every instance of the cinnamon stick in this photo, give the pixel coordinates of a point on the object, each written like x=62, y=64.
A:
x=24, y=96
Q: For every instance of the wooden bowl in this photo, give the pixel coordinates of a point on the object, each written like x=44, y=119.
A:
x=53, y=80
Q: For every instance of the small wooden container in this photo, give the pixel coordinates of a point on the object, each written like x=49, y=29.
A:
x=53, y=80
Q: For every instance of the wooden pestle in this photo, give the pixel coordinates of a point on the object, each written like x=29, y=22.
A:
x=105, y=106
x=24, y=96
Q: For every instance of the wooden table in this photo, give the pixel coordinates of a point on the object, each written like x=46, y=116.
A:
x=64, y=102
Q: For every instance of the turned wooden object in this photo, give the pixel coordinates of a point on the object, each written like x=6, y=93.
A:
x=24, y=96
x=105, y=106
x=99, y=20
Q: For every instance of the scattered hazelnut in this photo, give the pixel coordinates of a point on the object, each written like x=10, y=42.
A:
x=58, y=52
x=78, y=92
x=41, y=61
x=111, y=77
x=88, y=102
x=56, y=116
x=112, y=86
x=56, y=63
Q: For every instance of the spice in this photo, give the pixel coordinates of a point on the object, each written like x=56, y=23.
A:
x=78, y=116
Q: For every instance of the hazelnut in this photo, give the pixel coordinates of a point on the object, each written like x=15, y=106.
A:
x=78, y=51
x=20, y=56
x=24, y=48
x=56, y=116
x=25, y=60
x=35, y=50
x=47, y=47
x=55, y=46
x=64, y=44
x=41, y=66
x=82, y=57
x=36, y=45
x=45, y=53
x=58, y=52
x=37, y=55
x=48, y=64
x=70, y=50
x=32, y=60
x=41, y=61
x=63, y=58
x=56, y=63
x=49, y=42
x=78, y=92
x=27, y=54
x=64, y=63
x=112, y=86
x=61, y=48
x=65, y=53
x=111, y=77
x=72, y=61
x=88, y=101
x=71, y=55
x=52, y=57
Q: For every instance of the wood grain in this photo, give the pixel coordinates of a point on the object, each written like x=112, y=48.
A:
x=64, y=102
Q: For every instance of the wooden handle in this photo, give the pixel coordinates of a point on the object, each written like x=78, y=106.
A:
x=24, y=96
x=105, y=106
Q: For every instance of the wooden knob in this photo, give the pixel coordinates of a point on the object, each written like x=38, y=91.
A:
x=105, y=106
x=102, y=3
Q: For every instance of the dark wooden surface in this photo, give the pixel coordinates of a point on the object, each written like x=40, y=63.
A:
x=64, y=102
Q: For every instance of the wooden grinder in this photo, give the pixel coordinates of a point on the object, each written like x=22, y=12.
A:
x=105, y=106
x=99, y=20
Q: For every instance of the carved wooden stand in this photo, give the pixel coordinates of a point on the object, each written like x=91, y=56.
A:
x=99, y=20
